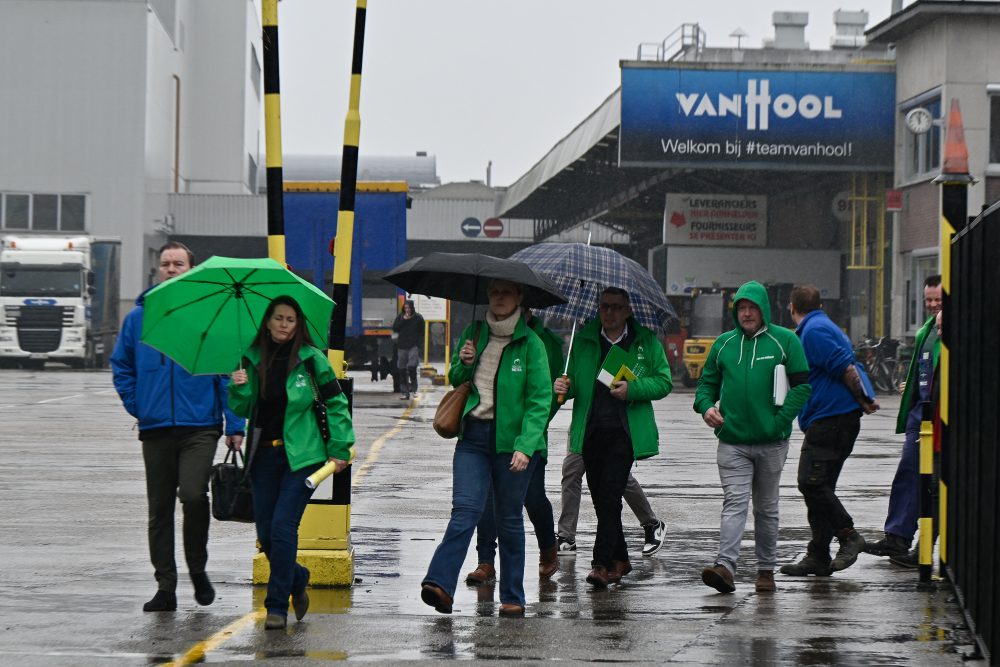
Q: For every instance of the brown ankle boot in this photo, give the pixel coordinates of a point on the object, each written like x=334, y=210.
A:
x=765, y=581
x=483, y=573
x=619, y=568
x=598, y=577
x=548, y=562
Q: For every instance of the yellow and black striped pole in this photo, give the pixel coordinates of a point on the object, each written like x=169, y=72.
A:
x=272, y=133
x=955, y=180
x=926, y=543
x=348, y=187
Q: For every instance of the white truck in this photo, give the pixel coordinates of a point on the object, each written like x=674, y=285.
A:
x=58, y=300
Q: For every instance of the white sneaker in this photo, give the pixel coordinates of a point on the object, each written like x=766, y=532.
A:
x=566, y=546
x=655, y=537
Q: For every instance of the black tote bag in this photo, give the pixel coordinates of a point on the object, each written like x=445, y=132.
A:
x=232, y=497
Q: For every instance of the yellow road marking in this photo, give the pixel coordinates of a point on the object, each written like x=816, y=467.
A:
x=376, y=448
x=197, y=652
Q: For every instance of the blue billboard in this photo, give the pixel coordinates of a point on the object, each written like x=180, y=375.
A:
x=734, y=119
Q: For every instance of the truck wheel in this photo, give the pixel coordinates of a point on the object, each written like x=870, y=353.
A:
x=688, y=380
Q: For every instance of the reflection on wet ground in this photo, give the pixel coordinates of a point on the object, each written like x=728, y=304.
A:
x=76, y=571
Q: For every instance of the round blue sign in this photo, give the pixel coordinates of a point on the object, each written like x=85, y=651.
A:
x=471, y=227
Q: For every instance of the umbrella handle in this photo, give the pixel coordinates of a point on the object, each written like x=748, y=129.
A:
x=561, y=398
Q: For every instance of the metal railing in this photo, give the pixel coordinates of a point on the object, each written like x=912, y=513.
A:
x=970, y=471
x=679, y=44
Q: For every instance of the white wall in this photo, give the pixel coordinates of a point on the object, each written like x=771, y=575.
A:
x=221, y=112
x=73, y=93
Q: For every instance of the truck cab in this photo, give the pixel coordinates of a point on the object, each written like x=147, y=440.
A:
x=54, y=300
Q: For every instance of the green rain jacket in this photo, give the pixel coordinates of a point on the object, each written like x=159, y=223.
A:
x=522, y=390
x=303, y=444
x=911, y=372
x=553, y=350
x=584, y=363
x=740, y=371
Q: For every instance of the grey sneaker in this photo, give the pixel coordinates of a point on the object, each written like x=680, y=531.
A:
x=851, y=544
x=566, y=545
x=656, y=535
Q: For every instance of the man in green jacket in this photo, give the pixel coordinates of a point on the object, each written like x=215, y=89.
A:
x=613, y=426
x=904, y=499
x=753, y=422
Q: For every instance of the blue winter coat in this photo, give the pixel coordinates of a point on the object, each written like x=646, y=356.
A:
x=161, y=394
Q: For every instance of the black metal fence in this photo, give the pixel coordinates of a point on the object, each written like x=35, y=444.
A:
x=971, y=448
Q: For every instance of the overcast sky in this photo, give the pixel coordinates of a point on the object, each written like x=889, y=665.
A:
x=471, y=81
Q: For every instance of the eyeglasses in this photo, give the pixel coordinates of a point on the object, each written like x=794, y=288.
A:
x=613, y=307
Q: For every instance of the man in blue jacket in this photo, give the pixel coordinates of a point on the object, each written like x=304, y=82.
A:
x=180, y=422
x=831, y=420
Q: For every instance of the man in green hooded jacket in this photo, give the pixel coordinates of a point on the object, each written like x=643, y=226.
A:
x=752, y=422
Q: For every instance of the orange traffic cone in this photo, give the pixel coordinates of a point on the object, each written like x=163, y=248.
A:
x=956, y=153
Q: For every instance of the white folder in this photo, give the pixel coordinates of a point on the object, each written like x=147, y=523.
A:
x=780, y=384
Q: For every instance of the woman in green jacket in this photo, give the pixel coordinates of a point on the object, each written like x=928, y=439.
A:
x=502, y=439
x=276, y=392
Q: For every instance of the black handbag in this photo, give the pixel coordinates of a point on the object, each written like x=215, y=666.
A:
x=318, y=404
x=232, y=496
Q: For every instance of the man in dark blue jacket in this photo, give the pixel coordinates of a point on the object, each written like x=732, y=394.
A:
x=180, y=422
x=831, y=420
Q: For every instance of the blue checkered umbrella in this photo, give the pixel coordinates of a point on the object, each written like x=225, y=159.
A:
x=582, y=272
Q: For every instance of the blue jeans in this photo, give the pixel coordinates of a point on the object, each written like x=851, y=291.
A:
x=539, y=513
x=746, y=470
x=476, y=467
x=280, y=496
x=904, y=498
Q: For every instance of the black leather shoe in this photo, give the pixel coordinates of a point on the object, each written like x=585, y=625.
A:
x=162, y=601
x=300, y=602
x=204, y=594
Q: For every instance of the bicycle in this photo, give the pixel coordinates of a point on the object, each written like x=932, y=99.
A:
x=879, y=360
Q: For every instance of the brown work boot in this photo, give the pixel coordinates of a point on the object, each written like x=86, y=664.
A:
x=765, y=581
x=434, y=595
x=718, y=577
x=483, y=573
x=851, y=544
x=511, y=610
x=598, y=577
x=619, y=568
x=548, y=562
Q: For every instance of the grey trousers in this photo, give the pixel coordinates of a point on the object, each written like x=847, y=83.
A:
x=745, y=471
x=178, y=468
x=572, y=486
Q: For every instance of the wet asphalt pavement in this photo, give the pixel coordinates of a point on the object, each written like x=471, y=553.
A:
x=74, y=569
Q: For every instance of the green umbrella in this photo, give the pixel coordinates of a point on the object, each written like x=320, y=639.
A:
x=206, y=318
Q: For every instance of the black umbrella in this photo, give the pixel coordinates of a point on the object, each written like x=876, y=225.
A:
x=466, y=277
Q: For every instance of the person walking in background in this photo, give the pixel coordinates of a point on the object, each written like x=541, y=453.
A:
x=284, y=371
x=180, y=419
x=831, y=420
x=654, y=529
x=502, y=439
x=904, y=498
x=409, y=327
x=612, y=427
x=753, y=425
x=536, y=503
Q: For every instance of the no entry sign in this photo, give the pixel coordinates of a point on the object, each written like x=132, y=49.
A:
x=493, y=227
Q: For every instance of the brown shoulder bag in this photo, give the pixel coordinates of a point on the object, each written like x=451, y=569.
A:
x=448, y=418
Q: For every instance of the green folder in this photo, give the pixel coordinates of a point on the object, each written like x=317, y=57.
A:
x=620, y=364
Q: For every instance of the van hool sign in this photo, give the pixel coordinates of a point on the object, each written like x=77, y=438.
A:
x=715, y=220
x=751, y=119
